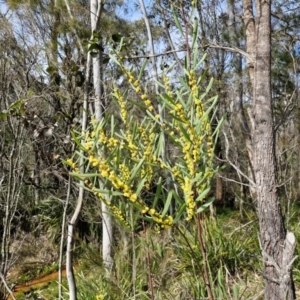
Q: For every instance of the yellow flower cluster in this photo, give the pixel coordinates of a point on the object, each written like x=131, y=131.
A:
x=165, y=223
x=147, y=102
x=177, y=175
x=148, y=139
x=124, y=172
x=209, y=144
x=147, y=173
x=122, y=105
x=179, y=112
x=131, y=144
x=132, y=80
x=119, y=215
x=114, y=209
x=111, y=142
x=137, y=87
x=189, y=198
x=195, y=92
x=167, y=86
x=72, y=164
x=88, y=144
x=206, y=128
x=147, y=169
x=94, y=161
x=129, y=75
x=127, y=192
x=192, y=144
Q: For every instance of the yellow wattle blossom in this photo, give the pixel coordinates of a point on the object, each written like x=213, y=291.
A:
x=132, y=146
x=133, y=197
x=71, y=163
x=122, y=104
x=167, y=86
x=151, y=212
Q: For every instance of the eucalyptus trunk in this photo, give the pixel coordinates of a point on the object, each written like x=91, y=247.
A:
x=277, y=244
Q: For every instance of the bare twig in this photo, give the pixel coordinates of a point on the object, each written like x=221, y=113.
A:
x=230, y=49
x=253, y=184
x=7, y=287
x=235, y=181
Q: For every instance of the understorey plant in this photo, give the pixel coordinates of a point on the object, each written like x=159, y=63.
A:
x=123, y=156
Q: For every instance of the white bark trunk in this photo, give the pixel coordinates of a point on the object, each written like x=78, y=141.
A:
x=74, y=219
x=96, y=8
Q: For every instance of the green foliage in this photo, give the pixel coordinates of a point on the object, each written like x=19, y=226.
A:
x=176, y=265
x=128, y=158
x=15, y=109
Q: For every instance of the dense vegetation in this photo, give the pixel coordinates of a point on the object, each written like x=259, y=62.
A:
x=150, y=148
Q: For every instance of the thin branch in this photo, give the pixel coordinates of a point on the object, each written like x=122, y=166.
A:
x=7, y=287
x=73, y=28
x=209, y=45
x=253, y=184
x=231, y=49
x=235, y=181
x=155, y=55
x=162, y=11
x=241, y=227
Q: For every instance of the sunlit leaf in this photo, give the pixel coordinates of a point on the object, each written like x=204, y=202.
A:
x=205, y=205
x=168, y=203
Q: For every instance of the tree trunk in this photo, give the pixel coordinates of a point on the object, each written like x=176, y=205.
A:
x=107, y=231
x=277, y=246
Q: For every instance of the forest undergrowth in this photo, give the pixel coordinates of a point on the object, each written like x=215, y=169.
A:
x=175, y=263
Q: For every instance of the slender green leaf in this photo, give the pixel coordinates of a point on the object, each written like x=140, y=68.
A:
x=183, y=83
x=84, y=175
x=179, y=212
x=142, y=69
x=184, y=132
x=200, y=62
x=157, y=192
x=136, y=169
x=140, y=186
x=152, y=117
x=161, y=144
x=115, y=60
x=179, y=200
x=136, y=103
x=168, y=100
x=195, y=33
x=168, y=203
x=76, y=140
x=209, y=85
x=205, y=205
x=108, y=192
x=178, y=25
x=220, y=122
x=203, y=194
x=112, y=125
